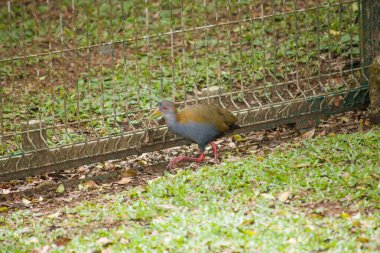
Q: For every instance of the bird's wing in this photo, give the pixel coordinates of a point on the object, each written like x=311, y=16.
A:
x=221, y=118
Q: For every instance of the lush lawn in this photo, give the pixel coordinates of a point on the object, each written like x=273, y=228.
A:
x=321, y=195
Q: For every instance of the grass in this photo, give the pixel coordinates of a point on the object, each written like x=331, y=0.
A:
x=321, y=195
x=99, y=91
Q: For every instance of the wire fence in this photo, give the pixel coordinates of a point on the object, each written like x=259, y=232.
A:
x=79, y=78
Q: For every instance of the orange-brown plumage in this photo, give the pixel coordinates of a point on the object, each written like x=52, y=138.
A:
x=201, y=123
x=221, y=118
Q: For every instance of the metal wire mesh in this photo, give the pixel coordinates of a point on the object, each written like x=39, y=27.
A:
x=78, y=78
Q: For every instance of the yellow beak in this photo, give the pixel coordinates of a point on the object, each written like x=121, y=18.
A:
x=155, y=114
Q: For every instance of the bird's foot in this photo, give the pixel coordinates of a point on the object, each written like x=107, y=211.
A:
x=174, y=161
x=185, y=158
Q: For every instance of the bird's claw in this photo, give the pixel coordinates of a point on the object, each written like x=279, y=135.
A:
x=173, y=162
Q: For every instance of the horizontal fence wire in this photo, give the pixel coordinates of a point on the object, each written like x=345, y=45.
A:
x=79, y=78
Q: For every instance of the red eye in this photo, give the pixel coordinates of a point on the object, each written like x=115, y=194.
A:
x=164, y=108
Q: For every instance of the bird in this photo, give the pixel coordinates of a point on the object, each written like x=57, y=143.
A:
x=199, y=123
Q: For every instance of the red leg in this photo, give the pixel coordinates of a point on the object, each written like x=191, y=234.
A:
x=185, y=158
x=215, y=150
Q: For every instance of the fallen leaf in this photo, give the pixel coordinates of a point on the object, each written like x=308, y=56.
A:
x=232, y=145
x=33, y=239
x=345, y=119
x=90, y=184
x=267, y=196
x=44, y=249
x=104, y=241
x=260, y=158
x=5, y=191
x=303, y=165
x=26, y=201
x=166, y=207
x=248, y=222
x=362, y=239
x=237, y=137
x=308, y=135
x=283, y=196
x=338, y=101
x=3, y=209
x=124, y=180
x=345, y=215
x=247, y=232
x=128, y=173
x=62, y=241
x=333, y=32
x=54, y=215
x=233, y=159
x=60, y=188
x=316, y=215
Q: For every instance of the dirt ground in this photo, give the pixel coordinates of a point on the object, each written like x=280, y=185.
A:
x=45, y=193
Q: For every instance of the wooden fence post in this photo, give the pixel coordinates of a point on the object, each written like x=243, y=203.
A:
x=370, y=29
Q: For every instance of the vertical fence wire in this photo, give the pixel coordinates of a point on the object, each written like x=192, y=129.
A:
x=92, y=70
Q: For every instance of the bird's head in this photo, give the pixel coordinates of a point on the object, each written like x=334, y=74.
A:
x=165, y=108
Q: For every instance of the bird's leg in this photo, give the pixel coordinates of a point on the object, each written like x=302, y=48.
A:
x=186, y=158
x=215, y=150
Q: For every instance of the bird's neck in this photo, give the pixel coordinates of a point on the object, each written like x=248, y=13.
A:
x=171, y=119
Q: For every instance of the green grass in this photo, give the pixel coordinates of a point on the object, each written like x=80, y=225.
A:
x=318, y=195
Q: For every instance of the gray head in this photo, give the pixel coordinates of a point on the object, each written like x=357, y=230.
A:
x=166, y=108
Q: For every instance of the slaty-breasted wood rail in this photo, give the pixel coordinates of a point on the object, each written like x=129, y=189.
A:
x=200, y=123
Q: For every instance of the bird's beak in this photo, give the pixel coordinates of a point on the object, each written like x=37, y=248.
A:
x=155, y=114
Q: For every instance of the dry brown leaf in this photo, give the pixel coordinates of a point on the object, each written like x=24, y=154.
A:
x=45, y=249
x=129, y=173
x=232, y=145
x=308, y=135
x=124, y=180
x=104, y=241
x=283, y=196
x=233, y=159
x=303, y=165
x=362, y=239
x=62, y=241
x=54, y=215
x=345, y=119
x=26, y=201
x=90, y=184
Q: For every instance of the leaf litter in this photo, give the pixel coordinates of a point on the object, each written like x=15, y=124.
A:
x=55, y=189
